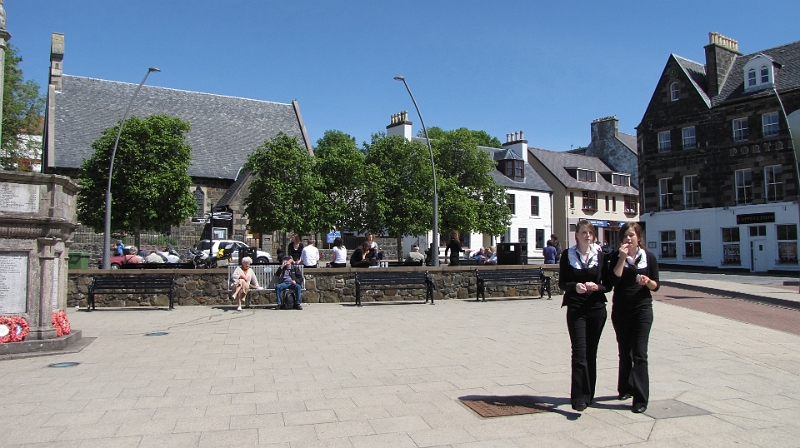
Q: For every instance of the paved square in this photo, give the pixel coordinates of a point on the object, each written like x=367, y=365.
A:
x=334, y=375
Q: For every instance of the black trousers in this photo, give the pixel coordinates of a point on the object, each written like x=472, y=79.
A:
x=585, y=327
x=633, y=332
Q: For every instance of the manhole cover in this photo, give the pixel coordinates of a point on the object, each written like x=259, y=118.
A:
x=63, y=364
x=671, y=409
x=504, y=406
x=157, y=333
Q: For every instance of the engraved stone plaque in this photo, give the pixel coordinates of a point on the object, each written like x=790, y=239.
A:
x=13, y=282
x=19, y=197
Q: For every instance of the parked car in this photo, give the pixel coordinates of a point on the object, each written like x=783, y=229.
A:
x=129, y=258
x=205, y=245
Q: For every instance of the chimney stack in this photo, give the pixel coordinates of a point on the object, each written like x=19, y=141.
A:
x=517, y=144
x=721, y=52
x=400, y=125
x=56, y=58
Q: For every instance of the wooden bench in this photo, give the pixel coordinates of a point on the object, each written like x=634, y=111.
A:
x=131, y=283
x=157, y=266
x=513, y=277
x=394, y=280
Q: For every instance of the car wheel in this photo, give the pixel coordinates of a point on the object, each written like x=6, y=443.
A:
x=114, y=266
x=262, y=260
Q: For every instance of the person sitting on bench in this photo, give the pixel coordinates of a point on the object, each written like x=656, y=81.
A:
x=415, y=257
x=242, y=278
x=290, y=278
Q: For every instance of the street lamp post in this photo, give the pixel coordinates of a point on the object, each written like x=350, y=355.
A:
x=794, y=150
x=107, y=234
x=435, y=241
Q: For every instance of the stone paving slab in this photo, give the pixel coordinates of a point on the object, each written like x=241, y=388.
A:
x=334, y=375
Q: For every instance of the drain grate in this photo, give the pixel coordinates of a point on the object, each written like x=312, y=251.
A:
x=663, y=409
x=503, y=406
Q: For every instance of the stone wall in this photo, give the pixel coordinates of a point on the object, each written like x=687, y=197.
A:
x=209, y=287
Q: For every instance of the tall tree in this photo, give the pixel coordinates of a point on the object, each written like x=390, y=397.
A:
x=470, y=200
x=285, y=194
x=347, y=180
x=150, y=184
x=482, y=138
x=23, y=107
x=402, y=203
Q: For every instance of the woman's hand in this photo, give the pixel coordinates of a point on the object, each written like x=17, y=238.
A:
x=591, y=286
x=580, y=288
x=643, y=280
x=624, y=251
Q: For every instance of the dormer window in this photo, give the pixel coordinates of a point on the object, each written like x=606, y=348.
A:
x=759, y=73
x=587, y=176
x=515, y=168
x=751, y=77
x=622, y=180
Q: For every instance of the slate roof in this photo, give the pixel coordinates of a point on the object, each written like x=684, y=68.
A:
x=786, y=77
x=628, y=140
x=697, y=75
x=531, y=181
x=224, y=129
x=558, y=162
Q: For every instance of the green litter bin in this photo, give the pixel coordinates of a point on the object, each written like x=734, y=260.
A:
x=78, y=260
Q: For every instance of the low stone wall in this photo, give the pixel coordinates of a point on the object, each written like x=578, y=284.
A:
x=325, y=285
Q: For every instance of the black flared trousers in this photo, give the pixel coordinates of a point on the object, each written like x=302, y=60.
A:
x=585, y=327
x=633, y=332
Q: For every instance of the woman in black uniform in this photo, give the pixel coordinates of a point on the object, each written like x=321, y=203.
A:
x=580, y=277
x=454, y=249
x=634, y=273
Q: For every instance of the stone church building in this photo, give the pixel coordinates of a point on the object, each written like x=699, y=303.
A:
x=224, y=131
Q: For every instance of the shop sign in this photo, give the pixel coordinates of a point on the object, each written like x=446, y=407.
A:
x=755, y=218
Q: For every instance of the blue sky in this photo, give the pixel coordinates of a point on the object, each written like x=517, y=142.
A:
x=546, y=68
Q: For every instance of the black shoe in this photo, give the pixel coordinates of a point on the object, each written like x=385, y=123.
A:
x=280, y=307
x=298, y=307
x=638, y=408
x=623, y=397
x=579, y=406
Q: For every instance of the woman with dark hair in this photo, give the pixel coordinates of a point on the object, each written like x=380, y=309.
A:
x=295, y=248
x=339, y=254
x=634, y=274
x=454, y=249
x=580, y=276
x=360, y=257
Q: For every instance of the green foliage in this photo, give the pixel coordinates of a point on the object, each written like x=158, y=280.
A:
x=402, y=201
x=470, y=200
x=22, y=109
x=482, y=138
x=285, y=194
x=150, y=185
x=346, y=181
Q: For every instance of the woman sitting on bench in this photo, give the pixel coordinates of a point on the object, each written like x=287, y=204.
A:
x=241, y=280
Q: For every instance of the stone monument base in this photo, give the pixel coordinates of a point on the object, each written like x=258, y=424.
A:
x=34, y=346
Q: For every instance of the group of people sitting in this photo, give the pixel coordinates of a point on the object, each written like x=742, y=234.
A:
x=486, y=256
x=290, y=276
